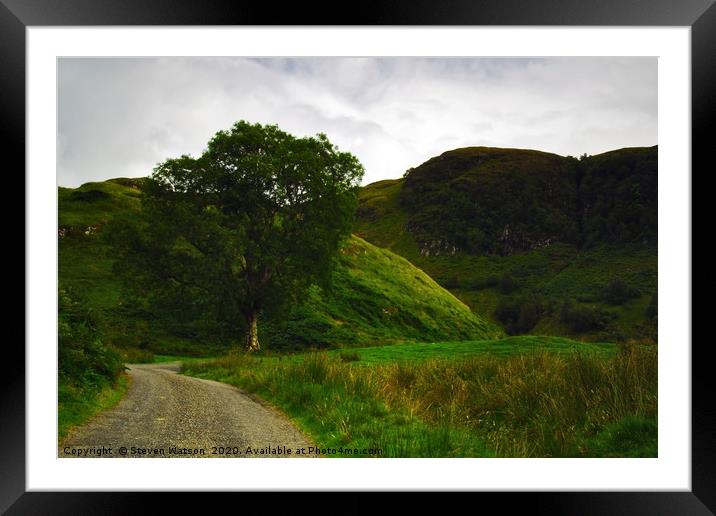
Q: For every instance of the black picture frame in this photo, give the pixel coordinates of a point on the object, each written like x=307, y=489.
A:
x=700, y=15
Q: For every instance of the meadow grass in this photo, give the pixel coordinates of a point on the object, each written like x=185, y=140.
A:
x=340, y=406
x=465, y=349
x=452, y=350
x=536, y=403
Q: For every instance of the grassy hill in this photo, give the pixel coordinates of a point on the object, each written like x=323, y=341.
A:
x=542, y=244
x=376, y=297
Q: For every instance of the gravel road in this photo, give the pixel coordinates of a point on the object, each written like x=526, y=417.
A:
x=165, y=414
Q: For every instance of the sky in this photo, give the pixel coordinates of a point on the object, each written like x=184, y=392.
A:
x=120, y=117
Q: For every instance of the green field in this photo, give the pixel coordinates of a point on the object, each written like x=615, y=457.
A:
x=414, y=352
x=464, y=349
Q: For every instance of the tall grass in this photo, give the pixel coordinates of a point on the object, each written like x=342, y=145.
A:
x=538, y=404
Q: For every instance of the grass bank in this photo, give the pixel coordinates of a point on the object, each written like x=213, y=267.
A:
x=76, y=406
x=536, y=403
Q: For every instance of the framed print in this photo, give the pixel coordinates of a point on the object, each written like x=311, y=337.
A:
x=432, y=238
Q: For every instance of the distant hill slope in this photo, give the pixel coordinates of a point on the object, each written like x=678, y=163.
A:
x=518, y=234
x=377, y=297
x=481, y=199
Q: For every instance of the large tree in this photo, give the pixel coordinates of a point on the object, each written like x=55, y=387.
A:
x=250, y=224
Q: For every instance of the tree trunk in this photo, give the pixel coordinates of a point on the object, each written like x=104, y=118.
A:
x=252, y=333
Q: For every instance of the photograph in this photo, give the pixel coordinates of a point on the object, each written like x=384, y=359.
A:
x=454, y=242
x=357, y=257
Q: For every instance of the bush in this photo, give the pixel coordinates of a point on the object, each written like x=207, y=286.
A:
x=528, y=318
x=451, y=282
x=479, y=283
x=580, y=318
x=519, y=314
x=83, y=359
x=349, y=356
x=507, y=284
x=617, y=292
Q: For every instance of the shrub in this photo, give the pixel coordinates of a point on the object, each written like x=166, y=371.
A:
x=479, y=283
x=581, y=318
x=617, y=292
x=519, y=314
x=350, y=356
x=528, y=318
x=507, y=284
x=451, y=282
x=83, y=359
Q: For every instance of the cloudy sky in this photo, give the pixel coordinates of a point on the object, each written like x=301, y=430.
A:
x=120, y=117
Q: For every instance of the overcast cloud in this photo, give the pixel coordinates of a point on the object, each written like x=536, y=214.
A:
x=120, y=117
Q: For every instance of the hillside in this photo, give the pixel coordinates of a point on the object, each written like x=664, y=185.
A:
x=376, y=297
x=543, y=244
x=487, y=200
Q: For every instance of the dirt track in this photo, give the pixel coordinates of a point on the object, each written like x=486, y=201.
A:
x=171, y=413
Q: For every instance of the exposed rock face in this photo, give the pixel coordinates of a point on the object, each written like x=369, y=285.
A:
x=434, y=247
x=437, y=248
x=66, y=231
x=135, y=183
x=512, y=242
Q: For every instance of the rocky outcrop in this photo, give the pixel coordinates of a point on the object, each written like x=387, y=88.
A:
x=67, y=231
x=437, y=248
x=511, y=242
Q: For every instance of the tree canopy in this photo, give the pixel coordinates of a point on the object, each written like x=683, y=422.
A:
x=248, y=225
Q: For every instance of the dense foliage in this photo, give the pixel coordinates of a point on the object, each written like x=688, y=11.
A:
x=583, y=318
x=500, y=201
x=618, y=196
x=519, y=314
x=83, y=360
x=88, y=370
x=619, y=292
x=482, y=199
